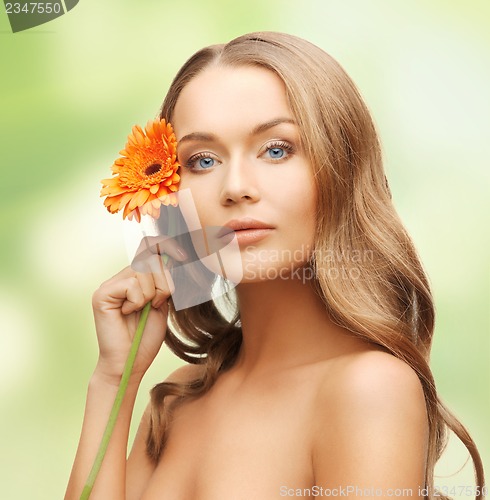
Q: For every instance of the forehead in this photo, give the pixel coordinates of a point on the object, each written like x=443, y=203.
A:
x=228, y=99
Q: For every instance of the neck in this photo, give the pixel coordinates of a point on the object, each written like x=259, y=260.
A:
x=284, y=324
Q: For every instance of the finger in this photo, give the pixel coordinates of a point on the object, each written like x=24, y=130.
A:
x=164, y=284
x=126, y=294
x=147, y=285
x=158, y=279
x=159, y=245
x=135, y=297
x=157, y=283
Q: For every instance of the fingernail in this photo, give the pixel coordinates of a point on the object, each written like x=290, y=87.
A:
x=182, y=253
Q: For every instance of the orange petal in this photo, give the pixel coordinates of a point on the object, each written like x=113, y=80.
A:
x=156, y=212
x=157, y=130
x=155, y=141
x=173, y=199
x=113, y=190
x=150, y=130
x=127, y=211
x=163, y=191
x=137, y=215
x=154, y=188
x=139, y=199
x=134, y=214
x=139, y=135
x=143, y=209
x=132, y=142
x=108, y=202
x=124, y=199
x=111, y=205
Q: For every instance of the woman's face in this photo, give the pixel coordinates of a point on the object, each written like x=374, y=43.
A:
x=240, y=155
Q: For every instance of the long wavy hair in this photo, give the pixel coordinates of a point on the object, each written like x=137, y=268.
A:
x=385, y=301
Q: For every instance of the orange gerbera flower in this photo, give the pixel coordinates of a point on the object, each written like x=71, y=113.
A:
x=146, y=174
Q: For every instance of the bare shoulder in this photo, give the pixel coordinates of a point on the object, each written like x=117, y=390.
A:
x=182, y=375
x=370, y=421
x=372, y=376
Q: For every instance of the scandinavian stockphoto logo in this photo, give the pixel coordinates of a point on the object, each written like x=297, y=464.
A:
x=211, y=262
x=25, y=15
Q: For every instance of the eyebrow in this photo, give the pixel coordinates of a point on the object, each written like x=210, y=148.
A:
x=270, y=124
x=262, y=127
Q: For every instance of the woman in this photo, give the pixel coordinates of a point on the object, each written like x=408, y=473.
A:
x=320, y=384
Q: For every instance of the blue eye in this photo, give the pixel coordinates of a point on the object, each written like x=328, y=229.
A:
x=206, y=162
x=279, y=150
x=201, y=161
x=276, y=153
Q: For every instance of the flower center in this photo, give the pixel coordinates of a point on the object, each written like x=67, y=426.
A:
x=153, y=169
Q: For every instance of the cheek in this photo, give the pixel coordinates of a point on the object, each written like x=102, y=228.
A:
x=299, y=201
x=184, y=178
x=198, y=196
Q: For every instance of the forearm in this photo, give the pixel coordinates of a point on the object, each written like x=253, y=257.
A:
x=110, y=483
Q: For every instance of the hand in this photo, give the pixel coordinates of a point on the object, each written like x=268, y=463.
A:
x=117, y=308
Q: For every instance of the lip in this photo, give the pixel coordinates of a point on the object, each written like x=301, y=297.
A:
x=247, y=230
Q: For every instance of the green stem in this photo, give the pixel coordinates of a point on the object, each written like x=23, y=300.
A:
x=128, y=367
x=121, y=391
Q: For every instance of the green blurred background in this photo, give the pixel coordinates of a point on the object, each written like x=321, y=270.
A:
x=70, y=92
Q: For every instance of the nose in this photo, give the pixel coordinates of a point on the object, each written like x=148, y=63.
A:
x=239, y=184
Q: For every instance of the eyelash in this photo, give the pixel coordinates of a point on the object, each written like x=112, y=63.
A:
x=195, y=158
x=289, y=148
x=282, y=145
